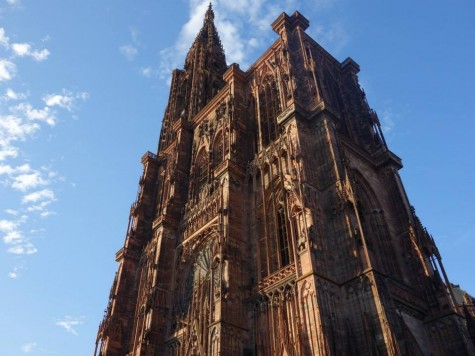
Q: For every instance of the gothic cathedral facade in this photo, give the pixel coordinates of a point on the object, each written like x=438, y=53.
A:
x=272, y=220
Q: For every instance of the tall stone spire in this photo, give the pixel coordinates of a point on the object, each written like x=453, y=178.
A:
x=192, y=88
x=205, y=63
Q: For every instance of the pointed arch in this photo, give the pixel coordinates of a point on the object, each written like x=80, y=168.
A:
x=269, y=108
x=218, y=149
x=375, y=229
x=200, y=171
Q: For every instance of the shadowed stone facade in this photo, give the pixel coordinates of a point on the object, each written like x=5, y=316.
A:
x=272, y=220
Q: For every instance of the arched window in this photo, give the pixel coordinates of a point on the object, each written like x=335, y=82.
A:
x=269, y=110
x=278, y=238
x=273, y=225
x=200, y=172
x=218, y=150
x=283, y=237
x=375, y=229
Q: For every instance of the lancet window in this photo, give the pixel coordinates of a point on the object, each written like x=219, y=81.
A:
x=269, y=104
x=273, y=226
x=376, y=233
x=218, y=150
x=200, y=172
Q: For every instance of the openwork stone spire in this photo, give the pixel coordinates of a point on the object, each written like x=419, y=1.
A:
x=192, y=88
x=206, y=59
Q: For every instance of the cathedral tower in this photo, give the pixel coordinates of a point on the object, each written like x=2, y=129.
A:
x=272, y=220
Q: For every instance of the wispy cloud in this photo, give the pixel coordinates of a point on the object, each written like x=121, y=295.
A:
x=387, y=121
x=21, y=121
x=11, y=212
x=4, y=40
x=15, y=239
x=70, y=324
x=149, y=72
x=7, y=70
x=15, y=273
x=25, y=248
x=237, y=22
x=13, y=2
x=28, y=347
x=10, y=94
x=129, y=52
x=333, y=37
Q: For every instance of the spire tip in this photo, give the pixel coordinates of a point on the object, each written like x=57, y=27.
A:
x=209, y=13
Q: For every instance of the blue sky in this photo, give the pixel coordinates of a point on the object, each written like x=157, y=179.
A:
x=83, y=86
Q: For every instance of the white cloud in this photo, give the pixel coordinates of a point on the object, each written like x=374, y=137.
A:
x=232, y=20
x=24, y=182
x=70, y=324
x=24, y=49
x=134, y=33
x=333, y=37
x=16, y=240
x=45, y=214
x=40, y=56
x=13, y=2
x=16, y=271
x=11, y=212
x=237, y=22
x=41, y=195
x=387, y=121
x=13, y=128
x=7, y=70
x=24, y=120
x=148, y=72
x=7, y=169
x=13, y=237
x=83, y=95
x=41, y=208
x=63, y=101
x=26, y=248
x=7, y=225
x=7, y=151
x=4, y=40
x=27, y=111
x=129, y=52
x=30, y=346
x=66, y=100
x=21, y=49
x=20, y=121
x=10, y=94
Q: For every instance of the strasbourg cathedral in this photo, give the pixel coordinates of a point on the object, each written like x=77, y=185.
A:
x=272, y=221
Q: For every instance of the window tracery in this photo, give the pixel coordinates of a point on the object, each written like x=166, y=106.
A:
x=218, y=150
x=270, y=108
x=200, y=172
x=273, y=229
